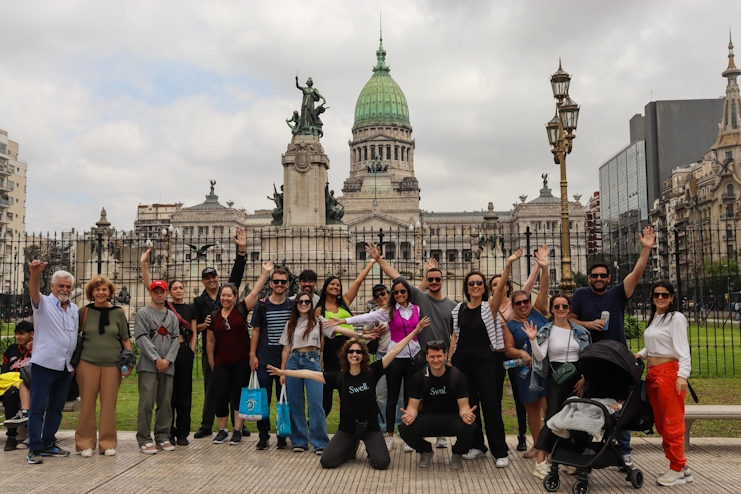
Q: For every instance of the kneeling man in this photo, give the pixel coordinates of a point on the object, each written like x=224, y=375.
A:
x=438, y=406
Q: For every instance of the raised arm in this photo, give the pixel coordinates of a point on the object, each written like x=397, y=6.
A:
x=530, y=282
x=647, y=241
x=36, y=267
x=430, y=264
x=496, y=299
x=239, y=263
x=251, y=300
x=375, y=253
x=301, y=374
x=146, y=276
x=352, y=292
x=541, y=301
x=396, y=350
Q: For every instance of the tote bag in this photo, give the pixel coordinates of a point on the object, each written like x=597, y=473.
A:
x=283, y=415
x=253, y=404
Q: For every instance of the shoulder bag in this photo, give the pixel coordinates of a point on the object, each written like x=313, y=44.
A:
x=567, y=370
x=75, y=360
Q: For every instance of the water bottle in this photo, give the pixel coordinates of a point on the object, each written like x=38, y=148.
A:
x=606, y=317
x=509, y=364
x=525, y=373
x=124, y=369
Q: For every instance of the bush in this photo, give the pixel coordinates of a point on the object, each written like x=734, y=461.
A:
x=5, y=343
x=633, y=327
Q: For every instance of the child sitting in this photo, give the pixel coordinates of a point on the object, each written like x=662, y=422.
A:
x=17, y=398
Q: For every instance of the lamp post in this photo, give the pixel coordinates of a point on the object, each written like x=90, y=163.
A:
x=560, y=136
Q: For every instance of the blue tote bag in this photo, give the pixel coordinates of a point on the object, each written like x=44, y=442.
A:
x=253, y=404
x=283, y=415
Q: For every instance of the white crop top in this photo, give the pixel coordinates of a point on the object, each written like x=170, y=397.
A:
x=556, y=345
x=667, y=337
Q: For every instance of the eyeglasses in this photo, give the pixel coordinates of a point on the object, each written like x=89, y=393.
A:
x=475, y=283
x=356, y=351
x=303, y=301
x=524, y=301
x=399, y=292
x=279, y=282
x=379, y=294
x=661, y=295
x=434, y=280
x=560, y=306
x=604, y=276
x=435, y=342
x=226, y=324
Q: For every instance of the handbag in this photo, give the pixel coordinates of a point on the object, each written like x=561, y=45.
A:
x=253, y=403
x=419, y=359
x=283, y=415
x=75, y=360
x=566, y=372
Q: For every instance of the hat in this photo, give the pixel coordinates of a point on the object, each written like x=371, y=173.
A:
x=379, y=286
x=208, y=272
x=158, y=284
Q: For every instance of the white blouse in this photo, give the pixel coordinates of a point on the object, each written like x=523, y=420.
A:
x=667, y=337
x=560, y=346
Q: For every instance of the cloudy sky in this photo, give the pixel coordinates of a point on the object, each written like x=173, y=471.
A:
x=120, y=103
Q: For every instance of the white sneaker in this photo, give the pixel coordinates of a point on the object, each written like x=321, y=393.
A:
x=110, y=452
x=541, y=470
x=86, y=453
x=567, y=469
x=473, y=454
x=628, y=459
x=407, y=448
x=502, y=462
x=390, y=443
x=442, y=442
x=687, y=474
x=672, y=478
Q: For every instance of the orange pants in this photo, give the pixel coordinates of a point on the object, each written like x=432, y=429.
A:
x=94, y=380
x=668, y=408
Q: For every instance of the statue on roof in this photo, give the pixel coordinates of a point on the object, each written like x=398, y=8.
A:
x=277, y=211
x=308, y=122
x=545, y=180
x=213, y=182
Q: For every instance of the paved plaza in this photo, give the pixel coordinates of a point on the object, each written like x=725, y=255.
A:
x=207, y=467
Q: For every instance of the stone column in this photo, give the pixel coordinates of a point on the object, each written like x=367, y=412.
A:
x=304, y=177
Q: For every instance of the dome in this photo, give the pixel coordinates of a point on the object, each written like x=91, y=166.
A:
x=381, y=102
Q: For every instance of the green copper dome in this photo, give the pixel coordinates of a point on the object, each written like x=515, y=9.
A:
x=381, y=102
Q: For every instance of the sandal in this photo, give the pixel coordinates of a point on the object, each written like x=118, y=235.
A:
x=531, y=453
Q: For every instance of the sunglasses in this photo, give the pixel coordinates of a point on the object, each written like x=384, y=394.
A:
x=226, y=324
x=604, y=276
x=560, y=306
x=379, y=294
x=303, y=301
x=435, y=342
x=399, y=292
x=665, y=295
x=434, y=280
x=524, y=301
x=475, y=283
x=279, y=282
x=355, y=351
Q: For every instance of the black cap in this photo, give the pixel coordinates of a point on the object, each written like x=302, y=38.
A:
x=379, y=286
x=208, y=272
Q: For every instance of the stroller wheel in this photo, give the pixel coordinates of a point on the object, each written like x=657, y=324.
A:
x=580, y=487
x=636, y=479
x=551, y=482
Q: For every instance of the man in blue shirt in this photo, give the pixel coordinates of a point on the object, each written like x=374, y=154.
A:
x=55, y=339
x=587, y=305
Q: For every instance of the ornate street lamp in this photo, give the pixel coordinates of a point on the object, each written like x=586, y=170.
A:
x=561, y=130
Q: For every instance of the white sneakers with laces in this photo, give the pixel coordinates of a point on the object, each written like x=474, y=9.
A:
x=473, y=454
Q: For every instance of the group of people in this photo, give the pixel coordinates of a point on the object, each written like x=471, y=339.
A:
x=438, y=371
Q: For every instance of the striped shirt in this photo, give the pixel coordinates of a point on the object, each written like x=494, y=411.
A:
x=493, y=328
x=55, y=333
x=271, y=319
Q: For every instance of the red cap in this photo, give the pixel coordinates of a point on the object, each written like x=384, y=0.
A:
x=158, y=284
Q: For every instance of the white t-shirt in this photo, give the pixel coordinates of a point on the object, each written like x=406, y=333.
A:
x=560, y=346
x=313, y=338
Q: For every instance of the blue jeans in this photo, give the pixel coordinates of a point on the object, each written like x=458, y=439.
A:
x=382, y=397
x=623, y=439
x=267, y=381
x=314, y=393
x=48, y=396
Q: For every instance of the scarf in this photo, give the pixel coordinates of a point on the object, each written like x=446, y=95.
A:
x=104, y=316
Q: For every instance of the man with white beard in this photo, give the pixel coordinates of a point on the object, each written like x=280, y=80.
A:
x=56, y=324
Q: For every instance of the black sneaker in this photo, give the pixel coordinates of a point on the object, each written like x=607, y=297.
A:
x=19, y=418
x=34, y=457
x=11, y=444
x=183, y=441
x=282, y=444
x=202, y=433
x=221, y=437
x=245, y=432
x=54, y=450
x=521, y=442
x=173, y=440
x=262, y=444
x=236, y=437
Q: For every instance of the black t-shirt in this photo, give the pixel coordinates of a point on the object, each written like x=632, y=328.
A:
x=188, y=313
x=439, y=394
x=358, y=398
x=15, y=357
x=472, y=332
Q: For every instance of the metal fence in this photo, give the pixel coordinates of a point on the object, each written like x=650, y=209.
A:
x=710, y=282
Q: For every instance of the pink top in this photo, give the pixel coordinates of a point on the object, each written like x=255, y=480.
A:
x=399, y=328
x=507, y=313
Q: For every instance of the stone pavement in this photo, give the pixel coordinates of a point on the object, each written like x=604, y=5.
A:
x=207, y=467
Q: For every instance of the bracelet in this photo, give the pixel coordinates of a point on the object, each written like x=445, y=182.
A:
x=507, y=266
x=242, y=253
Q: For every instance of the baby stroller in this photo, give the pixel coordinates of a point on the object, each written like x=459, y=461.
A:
x=610, y=371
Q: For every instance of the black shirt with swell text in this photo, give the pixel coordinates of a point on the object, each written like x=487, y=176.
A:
x=439, y=394
x=358, y=397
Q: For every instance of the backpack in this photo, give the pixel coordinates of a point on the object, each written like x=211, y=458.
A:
x=240, y=308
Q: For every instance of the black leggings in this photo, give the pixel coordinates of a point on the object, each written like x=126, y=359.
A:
x=399, y=369
x=227, y=382
x=331, y=362
x=512, y=373
x=555, y=396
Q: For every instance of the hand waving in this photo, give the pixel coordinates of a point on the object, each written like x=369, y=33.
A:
x=515, y=256
x=37, y=267
x=145, y=257
x=423, y=323
x=373, y=251
x=268, y=266
x=240, y=238
x=648, y=238
x=530, y=330
x=541, y=257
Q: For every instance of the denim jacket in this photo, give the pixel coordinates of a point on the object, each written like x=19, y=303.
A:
x=540, y=367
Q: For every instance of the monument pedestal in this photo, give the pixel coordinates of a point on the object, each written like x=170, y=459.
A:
x=304, y=178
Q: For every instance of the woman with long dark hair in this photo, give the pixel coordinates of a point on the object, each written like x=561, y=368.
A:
x=334, y=304
x=667, y=356
x=402, y=317
x=301, y=340
x=356, y=382
x=557, y=343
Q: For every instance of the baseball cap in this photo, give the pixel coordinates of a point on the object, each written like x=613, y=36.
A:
x=378, y=287
x=208, y=272
x=158, y=284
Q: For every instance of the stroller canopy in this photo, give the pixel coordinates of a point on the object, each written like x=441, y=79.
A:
x=613, y=366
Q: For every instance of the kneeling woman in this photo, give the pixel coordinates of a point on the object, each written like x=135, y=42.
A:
x=356, y=382
x=301, y=340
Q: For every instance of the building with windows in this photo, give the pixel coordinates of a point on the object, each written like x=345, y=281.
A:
x=13, y=171
x=152, y=218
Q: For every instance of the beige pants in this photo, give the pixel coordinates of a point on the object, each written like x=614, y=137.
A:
x=93, y=381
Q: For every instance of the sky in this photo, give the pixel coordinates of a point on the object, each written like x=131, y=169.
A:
x=116, y=104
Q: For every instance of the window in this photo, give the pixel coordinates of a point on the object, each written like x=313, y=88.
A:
x=467, y=256
x=729, y=190
x=365, y=153
x=437, y=254
x=402, y=154
x=360, y=251
x=734, y=121
x=406, y=250
x=452, y=255
x=373, y=152
x=553, y=274
x=389, y=251
x=388, y=152
x=729, y=155
x=202, y=231
x=254, y=256
x=396, y=153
